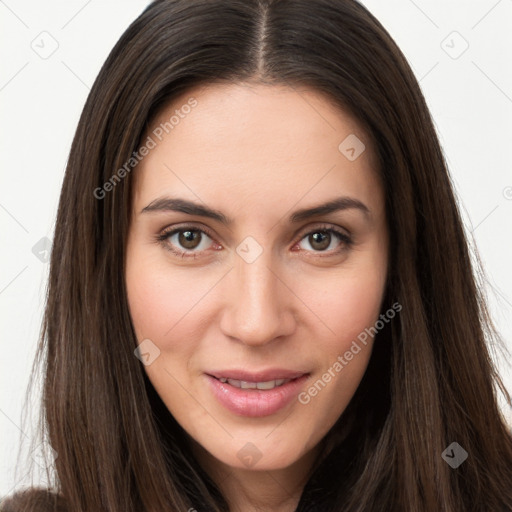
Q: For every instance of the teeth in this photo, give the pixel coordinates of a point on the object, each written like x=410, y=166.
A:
x=271, y=384
x=242, y=384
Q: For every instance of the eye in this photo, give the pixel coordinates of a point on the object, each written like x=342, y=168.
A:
x=325, y=239
x=189, y=241
x=186, y=241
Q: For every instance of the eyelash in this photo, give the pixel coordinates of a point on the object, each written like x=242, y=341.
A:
x=162, y=238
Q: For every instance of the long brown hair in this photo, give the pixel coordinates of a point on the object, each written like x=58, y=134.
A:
x=430, y=381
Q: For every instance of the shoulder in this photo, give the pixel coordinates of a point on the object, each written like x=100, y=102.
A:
x=33, y=500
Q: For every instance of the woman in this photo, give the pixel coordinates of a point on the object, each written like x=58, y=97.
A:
x=261, y=295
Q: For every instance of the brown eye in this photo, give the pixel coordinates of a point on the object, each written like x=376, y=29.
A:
x=189, y=239
x=325, y=240
x=185, y=241
x=320, y=240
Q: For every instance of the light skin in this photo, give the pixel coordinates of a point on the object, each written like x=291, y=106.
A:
x=257, y=154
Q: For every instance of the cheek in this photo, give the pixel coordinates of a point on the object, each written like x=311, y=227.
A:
x=348, y=303
x=355, y=306
x=360, y=299
x=153, y=307
x=351, y=307
x=160, y=298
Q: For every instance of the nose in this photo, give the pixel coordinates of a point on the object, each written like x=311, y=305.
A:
x=259, y=306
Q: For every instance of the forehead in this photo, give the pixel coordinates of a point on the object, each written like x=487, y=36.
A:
x=238, y=140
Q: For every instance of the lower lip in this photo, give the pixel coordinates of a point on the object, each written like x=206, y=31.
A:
x=255, y=402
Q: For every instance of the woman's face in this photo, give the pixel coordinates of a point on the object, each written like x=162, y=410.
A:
x=248, y=295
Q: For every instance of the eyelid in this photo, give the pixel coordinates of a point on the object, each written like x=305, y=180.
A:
x=169, y=230
x=322, y=226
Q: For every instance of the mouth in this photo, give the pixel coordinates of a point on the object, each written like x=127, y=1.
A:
x=256, y=394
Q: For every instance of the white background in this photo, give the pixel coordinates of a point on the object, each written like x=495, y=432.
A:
x=470, y=97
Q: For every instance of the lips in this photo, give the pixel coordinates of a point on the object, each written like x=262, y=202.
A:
x=256, y=394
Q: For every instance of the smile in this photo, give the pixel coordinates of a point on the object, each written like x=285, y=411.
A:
x=256, y=394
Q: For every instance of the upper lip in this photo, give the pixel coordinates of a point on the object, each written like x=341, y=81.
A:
x=257, y=376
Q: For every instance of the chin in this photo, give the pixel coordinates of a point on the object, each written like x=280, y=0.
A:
x=259, y=455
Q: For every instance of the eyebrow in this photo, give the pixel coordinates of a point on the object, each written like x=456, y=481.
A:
x=167, y=204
